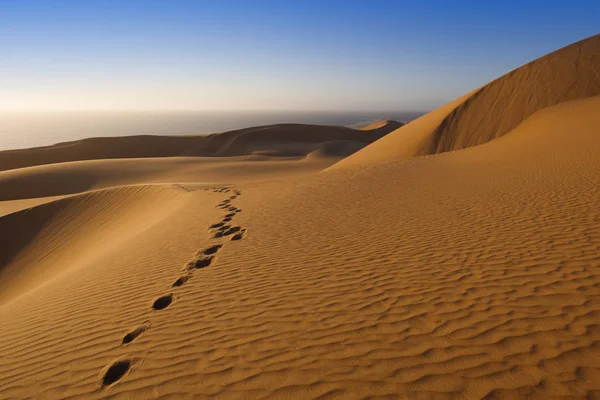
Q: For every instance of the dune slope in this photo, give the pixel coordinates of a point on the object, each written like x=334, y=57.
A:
x=80, y=176
x=495, y=109
x=45, y=241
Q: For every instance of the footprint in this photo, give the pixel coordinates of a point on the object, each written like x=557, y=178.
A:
x=217, y=225
x=227, y=219
x=163, y=302
x=131, y=336
x=212, y=250
x=230, y=215
x=238, y=236
x=218, y=234
x=231, y=231
x=180, y=281
x=201, y=263
x=116, y=372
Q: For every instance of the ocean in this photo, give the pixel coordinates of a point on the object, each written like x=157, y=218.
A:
x=31, y=129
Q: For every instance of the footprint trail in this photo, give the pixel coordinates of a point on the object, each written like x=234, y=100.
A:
x=204, y=258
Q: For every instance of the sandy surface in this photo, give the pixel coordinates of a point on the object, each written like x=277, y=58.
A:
x=430, y=264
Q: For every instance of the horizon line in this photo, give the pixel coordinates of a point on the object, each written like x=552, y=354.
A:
x=168, y=110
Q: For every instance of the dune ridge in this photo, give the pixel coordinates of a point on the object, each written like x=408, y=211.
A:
x=569, y=73
x=78, y=227
x=232, y=143
x=81, y=176
x=494, y=109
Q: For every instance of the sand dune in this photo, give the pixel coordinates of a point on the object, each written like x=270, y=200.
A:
x=495, y=109
x=270, y=152
x=408, y=270
x=232, y=143
x=76, y=229
x=11, y=206
x=80, y=176
x=378, y=124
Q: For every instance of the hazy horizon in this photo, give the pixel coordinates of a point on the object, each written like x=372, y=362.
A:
x=69, y=55
x=73, y=70
x=24, y=129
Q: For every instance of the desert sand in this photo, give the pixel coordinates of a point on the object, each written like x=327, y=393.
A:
x=457, y=256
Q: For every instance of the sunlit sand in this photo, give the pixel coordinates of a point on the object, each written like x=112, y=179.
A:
x=454, y=257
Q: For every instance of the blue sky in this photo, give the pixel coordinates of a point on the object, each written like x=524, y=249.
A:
x=306, y=55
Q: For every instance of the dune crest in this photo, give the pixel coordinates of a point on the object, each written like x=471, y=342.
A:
x=231, y=143
x=495, y=109
x=42, y=242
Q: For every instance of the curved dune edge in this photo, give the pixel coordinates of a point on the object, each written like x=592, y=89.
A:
x=78, y=228
x=412, y=139
x=495, y=109
x=12, y=206
x=21, y=186
x=233, y=143
x=377, y=125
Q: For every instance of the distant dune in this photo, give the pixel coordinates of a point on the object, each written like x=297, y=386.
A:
x=232, y=143
x=456, y=257
x=91, y=164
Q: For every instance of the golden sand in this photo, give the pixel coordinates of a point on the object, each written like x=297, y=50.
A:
x=456, y=257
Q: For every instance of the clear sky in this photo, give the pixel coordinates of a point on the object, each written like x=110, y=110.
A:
x=305, y=54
